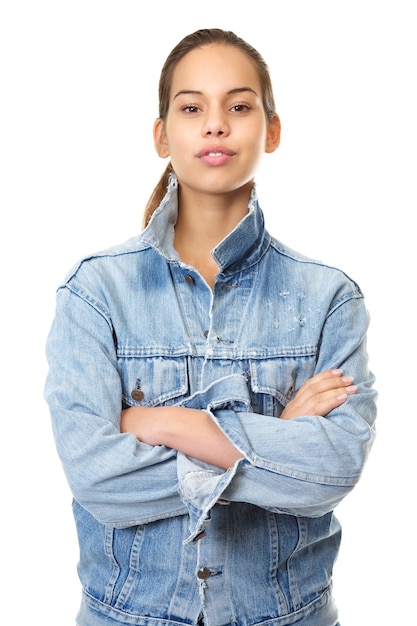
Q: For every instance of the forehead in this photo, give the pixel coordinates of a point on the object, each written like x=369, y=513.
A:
x=219, y=66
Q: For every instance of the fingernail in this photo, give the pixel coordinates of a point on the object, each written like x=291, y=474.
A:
x=347, y=379
x=351, y=388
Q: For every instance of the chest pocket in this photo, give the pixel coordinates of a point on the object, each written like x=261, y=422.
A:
x=153, y=381
x=275, y=381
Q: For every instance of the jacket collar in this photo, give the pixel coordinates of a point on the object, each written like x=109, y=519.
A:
x=242, y=247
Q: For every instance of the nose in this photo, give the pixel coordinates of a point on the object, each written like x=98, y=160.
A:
x=215, y=124
x=218, y=133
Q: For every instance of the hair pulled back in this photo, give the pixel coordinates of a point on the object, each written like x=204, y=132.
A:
x=198, y=39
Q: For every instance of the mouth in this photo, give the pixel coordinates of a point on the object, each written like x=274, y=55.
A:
x=215, y=151
x=215, y=155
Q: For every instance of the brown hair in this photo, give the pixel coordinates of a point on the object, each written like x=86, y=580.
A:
x=197, y=39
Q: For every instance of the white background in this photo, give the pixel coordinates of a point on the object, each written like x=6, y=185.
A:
x=78, y=85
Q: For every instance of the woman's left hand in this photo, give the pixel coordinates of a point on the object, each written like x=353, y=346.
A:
x=320, y=394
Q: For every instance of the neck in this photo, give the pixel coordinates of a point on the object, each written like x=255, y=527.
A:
x=204, y=221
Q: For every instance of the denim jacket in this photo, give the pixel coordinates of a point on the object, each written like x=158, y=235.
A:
x=163, y=537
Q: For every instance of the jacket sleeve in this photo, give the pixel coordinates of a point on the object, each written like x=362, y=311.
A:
x=304, y=466
x=119, y=480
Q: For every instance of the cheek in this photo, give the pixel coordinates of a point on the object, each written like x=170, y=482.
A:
x=255, y=133
x=178, y=142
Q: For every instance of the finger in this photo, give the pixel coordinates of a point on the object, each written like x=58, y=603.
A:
x=324, y=380
x=321, y=384
x=325, y=375
x=318, y=403
x=324, y=402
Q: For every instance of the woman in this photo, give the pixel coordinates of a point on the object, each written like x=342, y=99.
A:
x=201, y=380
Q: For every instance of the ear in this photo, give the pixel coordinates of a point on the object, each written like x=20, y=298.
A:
x=160, y=138
x=273, y=134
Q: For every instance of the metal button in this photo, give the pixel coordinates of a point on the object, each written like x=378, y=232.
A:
x=203, y=573
x=200, y=535
x=206, y=333
x=189, y=279
x=137, y=394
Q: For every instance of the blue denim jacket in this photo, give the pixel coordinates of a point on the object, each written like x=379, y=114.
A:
x=165, y=538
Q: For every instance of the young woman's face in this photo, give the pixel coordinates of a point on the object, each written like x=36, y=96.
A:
x=216, y=128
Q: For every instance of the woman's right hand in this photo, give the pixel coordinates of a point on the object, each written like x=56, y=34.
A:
x=320, y=394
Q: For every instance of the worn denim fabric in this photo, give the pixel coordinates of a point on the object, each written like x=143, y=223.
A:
x=164, y=538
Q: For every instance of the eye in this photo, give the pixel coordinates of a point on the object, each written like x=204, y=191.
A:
x=241, y=108
x=190, y=108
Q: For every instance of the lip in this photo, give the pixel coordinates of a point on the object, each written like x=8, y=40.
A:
x=215, y=155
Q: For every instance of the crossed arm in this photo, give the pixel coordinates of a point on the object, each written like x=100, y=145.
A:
x=192, y=432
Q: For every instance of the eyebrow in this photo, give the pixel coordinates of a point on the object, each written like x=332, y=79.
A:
x=187, y=92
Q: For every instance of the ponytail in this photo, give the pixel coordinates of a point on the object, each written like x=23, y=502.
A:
x=157, y=195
